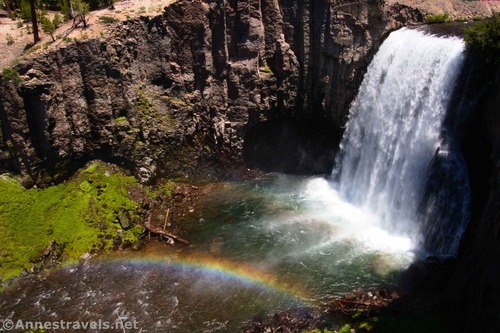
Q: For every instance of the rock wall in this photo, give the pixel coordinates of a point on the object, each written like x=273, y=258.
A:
x=472, y=293
x=177, y=94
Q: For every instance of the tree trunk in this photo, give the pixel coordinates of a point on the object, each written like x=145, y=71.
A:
x=7, y=7
x=70, y=9
x=34, y=21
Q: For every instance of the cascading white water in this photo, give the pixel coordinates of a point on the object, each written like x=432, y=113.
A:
x=394, y=133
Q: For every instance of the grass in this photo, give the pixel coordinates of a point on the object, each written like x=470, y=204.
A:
x=107, y=19
x=81, y=214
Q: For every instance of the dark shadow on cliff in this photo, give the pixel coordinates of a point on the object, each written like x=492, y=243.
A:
x=464, y=291
x=291, y=147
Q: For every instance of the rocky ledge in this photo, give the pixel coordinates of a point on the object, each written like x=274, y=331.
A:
x=199, y=90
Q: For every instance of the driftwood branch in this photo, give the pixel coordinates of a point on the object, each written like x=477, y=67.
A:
x=161, y=232
x=166, y=219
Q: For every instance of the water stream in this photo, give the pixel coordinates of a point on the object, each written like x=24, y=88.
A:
x=284, y=241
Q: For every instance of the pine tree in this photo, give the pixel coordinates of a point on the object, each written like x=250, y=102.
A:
x=48, y=27
x=80, y=12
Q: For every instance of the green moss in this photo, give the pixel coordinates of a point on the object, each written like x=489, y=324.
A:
x=9, y=145
x=266, y=69
x=92, y=168
x=142, y=103
x=167, y=188
x=80, y=214
x=123, y=123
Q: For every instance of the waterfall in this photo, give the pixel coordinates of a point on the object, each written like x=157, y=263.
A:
x=396, y=160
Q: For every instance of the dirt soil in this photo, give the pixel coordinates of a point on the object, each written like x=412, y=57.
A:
x=123, y=10
x=457, y=9
x=66, y=33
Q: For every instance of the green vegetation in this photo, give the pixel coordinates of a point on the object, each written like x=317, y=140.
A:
x=142, y=104
x=317, y=330
x=266, y=70
x=164, y=190
x=11, y=74
x=25, y=10
x=345, y=329
x=107, y=19
x=438, y=18
x=10, y=39
x=484, y=38
x=81, y=214
x=121, y=119
x=56, y=21
x=81, y=10
x=48, y=27
x=36, y=11
x=32, y=49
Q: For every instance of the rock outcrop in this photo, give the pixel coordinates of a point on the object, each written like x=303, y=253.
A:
x=456, y=9
x=473, y=291
x=178, y=94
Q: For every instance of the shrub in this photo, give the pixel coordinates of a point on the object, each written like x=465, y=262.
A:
x=10, y=39
x=11, y=74
x=438, y=18
x=48, y=27
x=25, y=10
x=484, y=38
x=57, y=21
x=107, y=19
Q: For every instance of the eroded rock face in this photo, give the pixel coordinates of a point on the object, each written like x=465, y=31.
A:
x=177, y=94
x=473, y=291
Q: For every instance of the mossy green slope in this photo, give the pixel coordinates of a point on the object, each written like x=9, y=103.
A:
x=80, y=214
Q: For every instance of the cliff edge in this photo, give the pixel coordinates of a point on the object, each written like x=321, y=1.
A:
x=177, y=94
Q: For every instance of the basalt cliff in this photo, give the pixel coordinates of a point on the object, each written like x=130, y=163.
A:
x=212, y=86
x=200, y=90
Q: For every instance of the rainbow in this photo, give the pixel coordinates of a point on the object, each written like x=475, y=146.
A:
x=220, y=268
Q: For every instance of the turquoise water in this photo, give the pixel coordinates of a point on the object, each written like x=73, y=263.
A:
x=300, y=229
x=257, y=247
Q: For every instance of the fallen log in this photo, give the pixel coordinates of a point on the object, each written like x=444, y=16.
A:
x=156, y=230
